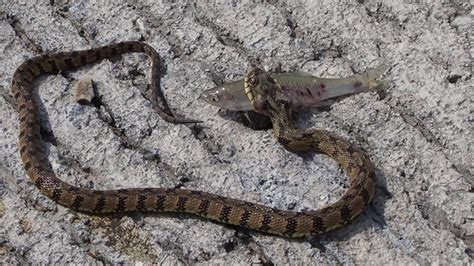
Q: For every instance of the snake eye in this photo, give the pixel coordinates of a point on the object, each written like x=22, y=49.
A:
x=252, y=81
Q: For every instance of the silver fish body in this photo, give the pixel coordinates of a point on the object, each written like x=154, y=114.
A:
x=301, y=90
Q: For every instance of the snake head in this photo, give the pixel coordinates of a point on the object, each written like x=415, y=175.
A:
x=260, y=89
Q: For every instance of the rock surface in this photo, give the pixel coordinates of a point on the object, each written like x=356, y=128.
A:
x=418, y=132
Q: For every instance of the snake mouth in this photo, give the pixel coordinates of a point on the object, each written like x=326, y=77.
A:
x=247, y=88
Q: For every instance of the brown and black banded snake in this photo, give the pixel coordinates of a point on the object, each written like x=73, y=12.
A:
x=260, y=88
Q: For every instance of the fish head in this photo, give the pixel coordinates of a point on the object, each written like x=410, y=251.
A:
x=228, y=96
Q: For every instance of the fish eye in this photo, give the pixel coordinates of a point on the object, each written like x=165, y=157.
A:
x=214, y=98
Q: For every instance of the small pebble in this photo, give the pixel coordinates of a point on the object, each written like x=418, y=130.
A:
x=83, y=92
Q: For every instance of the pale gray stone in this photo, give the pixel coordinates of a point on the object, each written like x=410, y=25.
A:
x=418, y=132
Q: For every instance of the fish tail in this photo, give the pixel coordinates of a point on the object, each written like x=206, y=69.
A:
x=374, y=79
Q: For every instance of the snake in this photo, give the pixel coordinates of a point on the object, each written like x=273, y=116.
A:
x=261, y=89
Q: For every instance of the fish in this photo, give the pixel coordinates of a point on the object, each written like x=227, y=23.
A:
x=299, y=89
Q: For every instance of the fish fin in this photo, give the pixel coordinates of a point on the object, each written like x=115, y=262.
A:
x=376, y=77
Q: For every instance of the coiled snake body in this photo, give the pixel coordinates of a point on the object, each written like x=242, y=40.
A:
x=260, y=88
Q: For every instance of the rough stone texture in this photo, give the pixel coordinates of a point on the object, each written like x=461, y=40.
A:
x=418, y=132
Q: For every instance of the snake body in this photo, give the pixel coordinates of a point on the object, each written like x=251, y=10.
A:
x=214, y=207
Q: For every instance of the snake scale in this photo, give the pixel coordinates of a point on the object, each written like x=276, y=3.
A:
x=260, y=89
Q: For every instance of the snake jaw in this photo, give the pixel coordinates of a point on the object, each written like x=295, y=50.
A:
x=250, y=82
x=259, y=104
x=257, y=100
x=248, y=89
